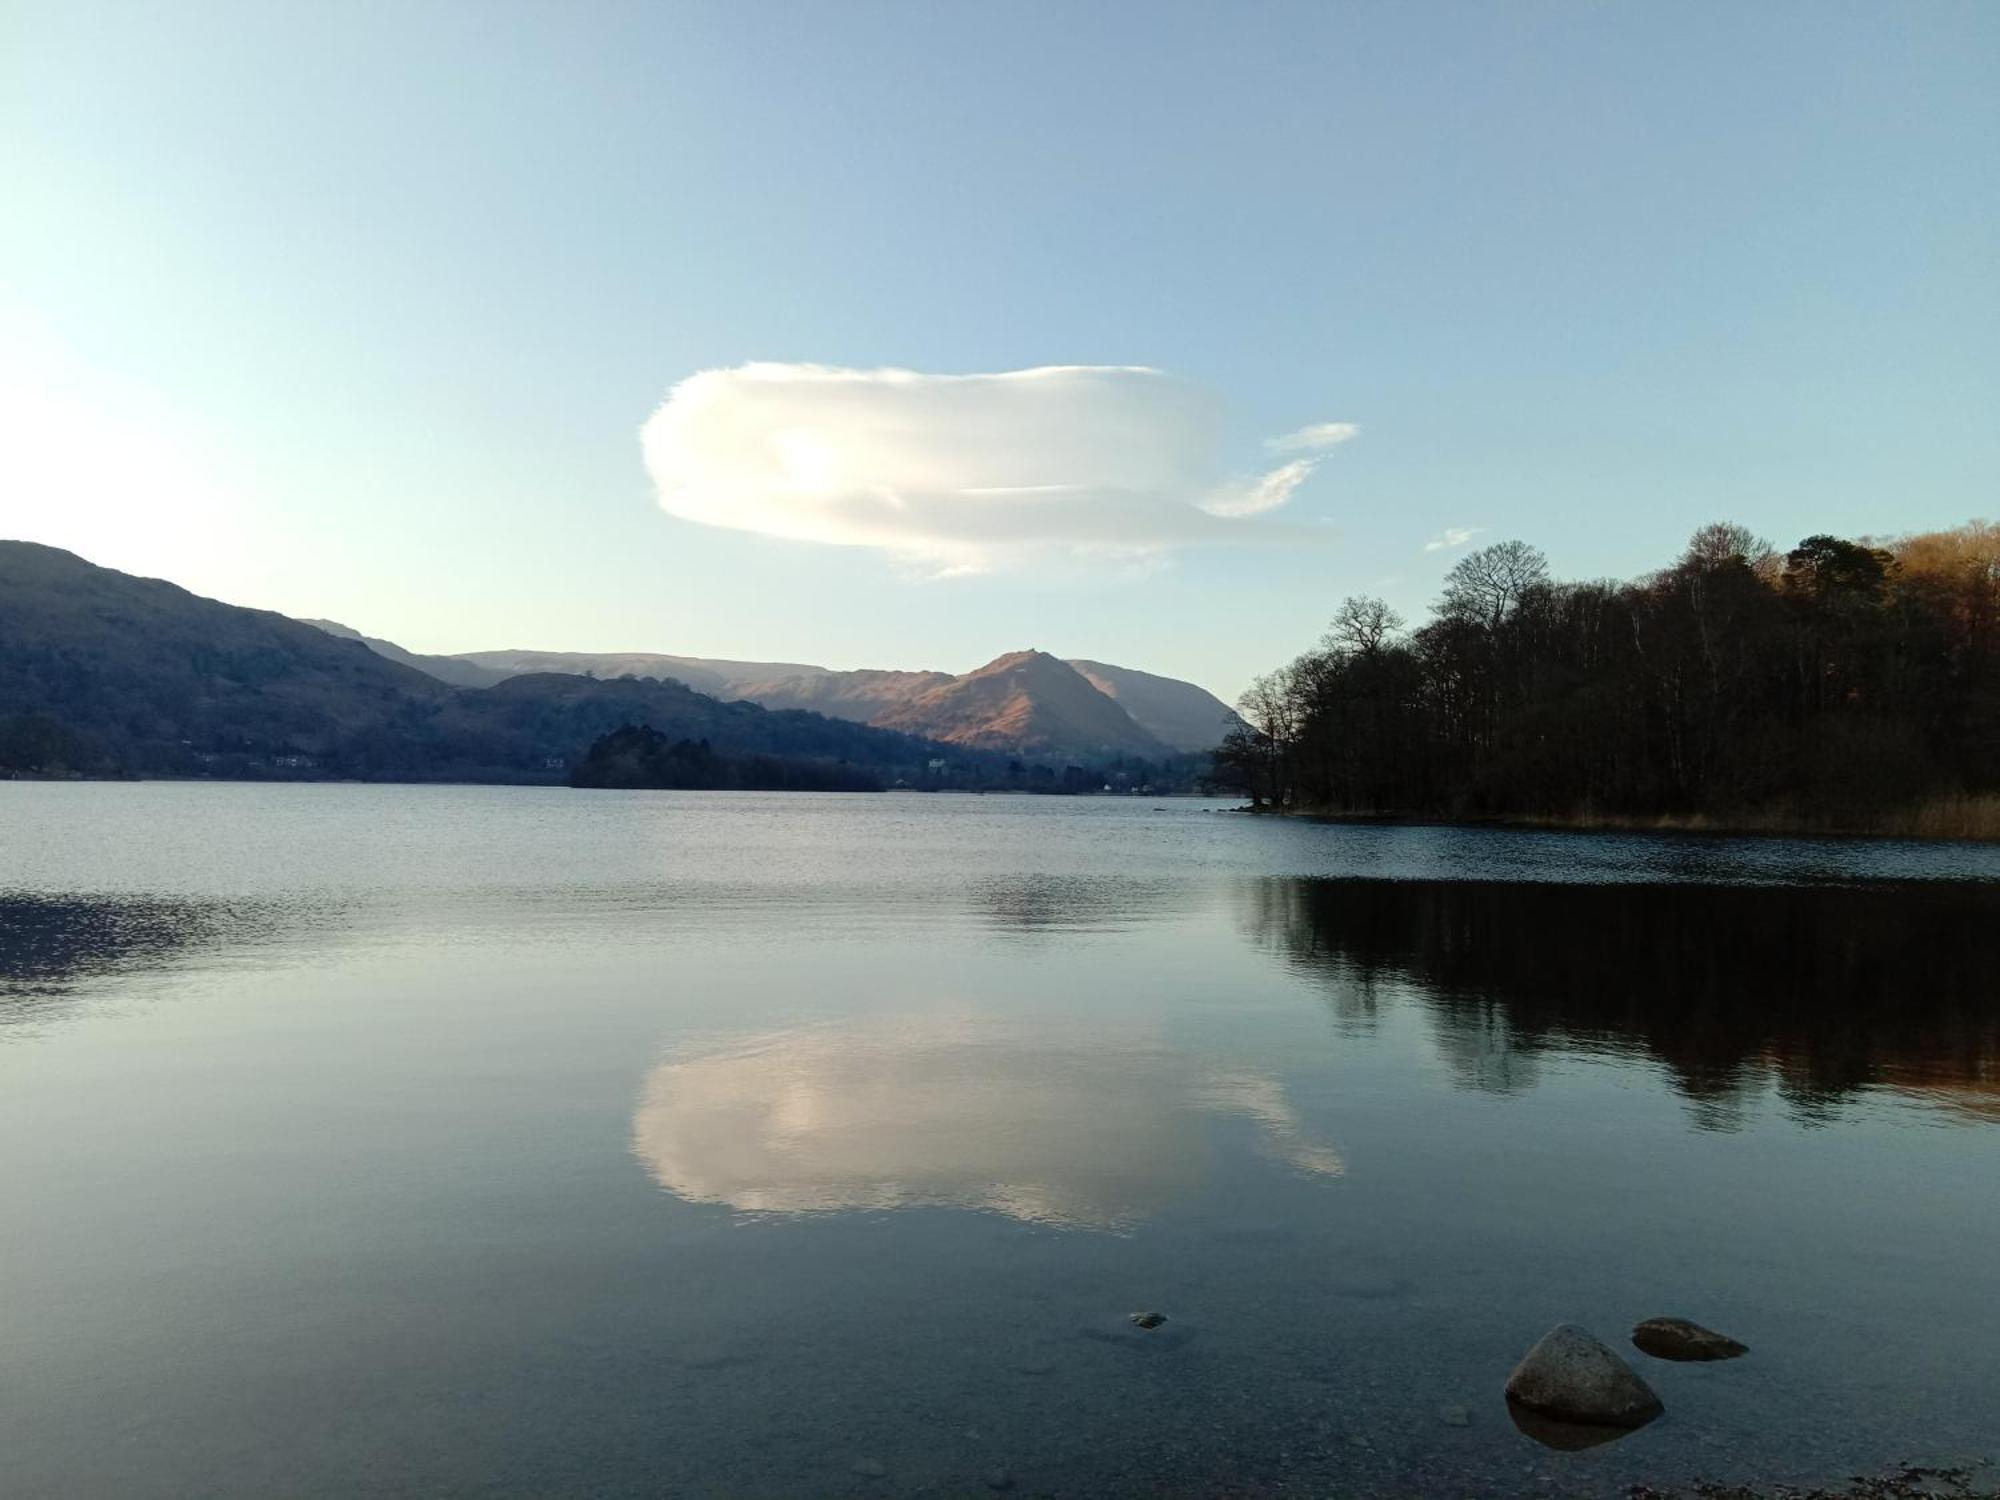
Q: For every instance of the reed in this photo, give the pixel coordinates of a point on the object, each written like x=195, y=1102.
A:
x=1965, y=816
x=1953, y=816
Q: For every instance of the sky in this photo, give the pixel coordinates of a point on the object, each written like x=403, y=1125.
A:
x=908, y=334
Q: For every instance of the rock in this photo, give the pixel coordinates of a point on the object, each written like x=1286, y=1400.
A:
x=1677, y=1338
x=1148, y=1319
x=870, y=1468
x=1454, y=1416
x=999, y=1479
x=1571, y=1376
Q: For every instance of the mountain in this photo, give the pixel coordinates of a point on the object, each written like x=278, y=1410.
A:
x=104, y=672
x=1151, y=715
x=1026, y=702
x=1175, y=712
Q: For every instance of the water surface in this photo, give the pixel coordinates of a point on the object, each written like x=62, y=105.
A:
x=481, y=1141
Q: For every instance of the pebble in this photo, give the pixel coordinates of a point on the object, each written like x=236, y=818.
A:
x=1148, y=1319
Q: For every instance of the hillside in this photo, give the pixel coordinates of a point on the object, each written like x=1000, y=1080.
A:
x=705, y=675
x=108, y=673
x=1175, y=712
x=1026, y=702
x=863, y=696
x=560, y=714
x=153, y=677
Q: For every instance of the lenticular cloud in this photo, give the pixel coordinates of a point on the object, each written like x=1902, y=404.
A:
x=960, y=471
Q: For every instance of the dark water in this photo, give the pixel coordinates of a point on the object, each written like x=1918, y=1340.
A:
x=498, y=1142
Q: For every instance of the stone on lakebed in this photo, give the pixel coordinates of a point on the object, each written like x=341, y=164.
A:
x=1677, y=1338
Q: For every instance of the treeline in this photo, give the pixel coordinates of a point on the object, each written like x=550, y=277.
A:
x=39, y=745
x=1845, y=683
x=637, y=755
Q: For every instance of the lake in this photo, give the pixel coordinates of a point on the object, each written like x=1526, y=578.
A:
x=461, y=1141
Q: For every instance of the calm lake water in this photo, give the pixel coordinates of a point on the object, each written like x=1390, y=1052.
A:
x=503, y=1142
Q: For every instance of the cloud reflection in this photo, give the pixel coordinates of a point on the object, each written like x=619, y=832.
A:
x=1053, y=1123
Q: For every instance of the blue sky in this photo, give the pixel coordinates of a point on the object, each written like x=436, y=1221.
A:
x=358, y=310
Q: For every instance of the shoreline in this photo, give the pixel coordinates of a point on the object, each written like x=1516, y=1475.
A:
x=1978, y=823
x=1953, y=1479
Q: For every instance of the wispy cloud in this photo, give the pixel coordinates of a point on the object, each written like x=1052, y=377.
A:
x=964, y=472
x=1313, y=439
x=1452, y=536
x=1265, y=492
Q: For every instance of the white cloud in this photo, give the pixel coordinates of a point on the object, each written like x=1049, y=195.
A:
x=1314, y=439
x=962, y=472
x=1452, y=536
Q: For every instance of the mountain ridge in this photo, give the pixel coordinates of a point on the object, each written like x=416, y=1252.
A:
x=1151, y=715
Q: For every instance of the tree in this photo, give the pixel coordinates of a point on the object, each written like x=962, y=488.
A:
x=1487, y=584
x=1362, y=624
x=1721, y=544
x=1827, y=567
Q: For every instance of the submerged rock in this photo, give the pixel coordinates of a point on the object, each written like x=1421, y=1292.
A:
x=870, y=1468
x=1677, y=1338
x=1148, y=1319
x=1572, y=1376
x=1454, y=1416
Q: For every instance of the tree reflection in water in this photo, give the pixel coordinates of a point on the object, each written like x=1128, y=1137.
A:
x=1825, y=991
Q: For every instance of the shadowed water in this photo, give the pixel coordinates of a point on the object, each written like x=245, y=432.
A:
x=459, y=1141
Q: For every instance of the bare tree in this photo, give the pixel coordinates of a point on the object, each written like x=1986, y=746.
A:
x=1720, y=543
x=1488, y=584
x=1362, y=624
